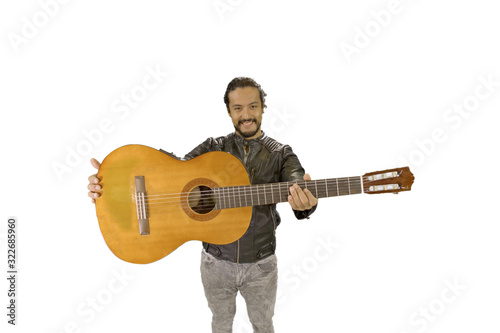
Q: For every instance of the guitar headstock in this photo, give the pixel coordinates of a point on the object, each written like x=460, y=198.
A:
x=388, y=181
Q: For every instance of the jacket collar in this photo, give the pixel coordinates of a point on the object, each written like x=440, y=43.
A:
x=251, y=142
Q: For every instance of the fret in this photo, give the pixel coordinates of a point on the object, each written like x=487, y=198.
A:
x=279, y=190
x=266, y=195
x=343, y=188
x=221, y=197
x=336, y=186
x=356, y=188
x=251, y=195
x=224, y=197
x=238, y=199
x=326, y=186
x=246, y=198
x=272, y=194
x=348, y=185
x=223, y=200
x=258, y=196
x=232, y=203
x=239, y=195
x=320, y=192
x=230, y=197
x=265, y=199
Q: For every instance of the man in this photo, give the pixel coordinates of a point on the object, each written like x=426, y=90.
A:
x=249, y=264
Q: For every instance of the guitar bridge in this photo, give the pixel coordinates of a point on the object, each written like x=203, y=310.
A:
x=140, y=202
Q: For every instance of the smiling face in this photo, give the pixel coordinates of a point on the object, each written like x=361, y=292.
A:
x=245, y=110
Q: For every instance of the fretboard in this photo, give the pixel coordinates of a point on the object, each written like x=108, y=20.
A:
x=266, y=194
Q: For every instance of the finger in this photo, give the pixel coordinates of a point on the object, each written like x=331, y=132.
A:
x=95, y=163
x=312, y=201
x=301, y=200
x=94, y=179
x=307, y=176
x=94, y=188
x=291, y=198
x=292, y=203
x=297, y=195
x=94, y=195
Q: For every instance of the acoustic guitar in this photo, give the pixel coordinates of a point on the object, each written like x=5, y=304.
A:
x=152, y=203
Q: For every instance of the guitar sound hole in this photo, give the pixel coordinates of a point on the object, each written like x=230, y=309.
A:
x=201, y=199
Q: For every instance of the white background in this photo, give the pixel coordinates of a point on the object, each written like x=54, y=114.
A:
x=344, y=115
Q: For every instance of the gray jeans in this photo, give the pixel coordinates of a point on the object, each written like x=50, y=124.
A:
x=257, y=283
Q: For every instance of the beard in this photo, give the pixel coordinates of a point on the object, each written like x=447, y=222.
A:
x=250, y=133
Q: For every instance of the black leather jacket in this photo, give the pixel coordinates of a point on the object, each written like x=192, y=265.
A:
x=268, y=161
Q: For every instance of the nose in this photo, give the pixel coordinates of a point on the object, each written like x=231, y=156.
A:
x=245, y=114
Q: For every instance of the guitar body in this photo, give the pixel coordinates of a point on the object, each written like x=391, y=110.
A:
x=172, y=214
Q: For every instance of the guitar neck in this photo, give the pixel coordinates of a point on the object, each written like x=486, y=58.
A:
x=266, y=194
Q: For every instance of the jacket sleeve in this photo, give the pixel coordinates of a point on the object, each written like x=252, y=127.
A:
x=292, y=171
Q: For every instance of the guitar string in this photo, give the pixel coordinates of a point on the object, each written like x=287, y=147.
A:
x=175, y=206
x=234, y=192
x=230, y=201
x=224, y=205
x=228, y=194
x=267, y=188
x=152, y=209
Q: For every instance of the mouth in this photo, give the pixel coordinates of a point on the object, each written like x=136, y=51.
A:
x=246, y=123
